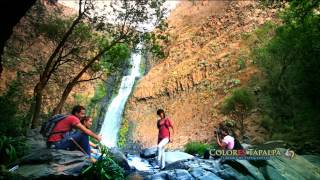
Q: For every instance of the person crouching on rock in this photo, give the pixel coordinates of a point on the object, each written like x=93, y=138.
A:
x=87, y=122
x=164, y=125
x=227, y=141
x=63, y=137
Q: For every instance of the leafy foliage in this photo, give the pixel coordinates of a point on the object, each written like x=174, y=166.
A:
x=274, y=3
x=54, y=27
x=94, y=105
x=100, y=92
x=12, y=124
x=104, y=168
x=123, y=133
x=116, y=58
x=290, y=98
x=242, y=63
x=196, y=148
x=153, y=42
x=11, y=149
x=238, y=106
x=240, y=97
x=11, y=120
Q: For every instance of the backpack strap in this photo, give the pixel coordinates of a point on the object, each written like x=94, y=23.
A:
x=59, y=132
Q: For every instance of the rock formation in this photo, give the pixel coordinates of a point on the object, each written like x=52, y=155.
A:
x=201, y=68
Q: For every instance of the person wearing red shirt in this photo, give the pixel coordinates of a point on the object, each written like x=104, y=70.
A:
x=63, y=137
x=164, y=125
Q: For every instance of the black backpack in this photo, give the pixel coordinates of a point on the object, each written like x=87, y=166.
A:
x=237, y=144
x=47, y=126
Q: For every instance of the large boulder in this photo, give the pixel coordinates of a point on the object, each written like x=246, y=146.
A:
x=244, y=167
x=149, y=152
x=50, y=163
x=171, y=157
x=177, y=165
x=313, y=159
x=228, y=172
x=271, y=173
x=295, y=168
x=279, y=167
x=177, y=174
x=200, y=173
x=43, y=163
x=120, y=158
x=181, y=165
x=208, y=165
x=180, y=174
x=34, y=140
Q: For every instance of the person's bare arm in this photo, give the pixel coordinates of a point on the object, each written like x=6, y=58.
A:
x=88, y=131
x=171, y=129
x=171, y=133
x=92, y=144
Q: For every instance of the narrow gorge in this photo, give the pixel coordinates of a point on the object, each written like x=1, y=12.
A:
x=83, y=86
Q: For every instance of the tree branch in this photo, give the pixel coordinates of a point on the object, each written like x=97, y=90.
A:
x=49, y=69
x=91, y=79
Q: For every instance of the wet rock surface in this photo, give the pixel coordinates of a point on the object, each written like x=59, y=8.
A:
x=120, y=158
x=51, y=163
x=149, y=152
x=46, y=163
x=279, y=167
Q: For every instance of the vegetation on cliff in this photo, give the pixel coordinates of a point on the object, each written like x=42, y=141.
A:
x=289, y=98
x=273, y=55
x=52, y=55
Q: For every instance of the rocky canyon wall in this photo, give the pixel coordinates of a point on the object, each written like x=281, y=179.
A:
x=205, y=43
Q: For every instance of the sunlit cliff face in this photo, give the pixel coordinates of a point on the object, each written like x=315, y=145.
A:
x=200, y=68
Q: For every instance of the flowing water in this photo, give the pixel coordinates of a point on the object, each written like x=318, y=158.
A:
x=113, y=117
x=112, y=121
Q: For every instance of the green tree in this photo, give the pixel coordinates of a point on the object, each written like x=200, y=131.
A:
x=238, y=106
x=54, y=60
x=129, y=15
x=12, y=119
x=290, y=61
x=119, y=26
x=116, y=58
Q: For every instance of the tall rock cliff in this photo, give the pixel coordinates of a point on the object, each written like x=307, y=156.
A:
x=26, y=53
x=202, y=66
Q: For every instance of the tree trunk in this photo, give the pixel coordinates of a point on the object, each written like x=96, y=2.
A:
x=75, y=80
x=1, y=68
x=69, y=88
x=38, y=92
x=47, y=73
x=63, y=99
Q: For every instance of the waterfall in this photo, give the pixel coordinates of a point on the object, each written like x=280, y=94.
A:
x=113, y=117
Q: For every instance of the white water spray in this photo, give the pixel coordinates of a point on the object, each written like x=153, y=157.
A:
x=113, y=117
